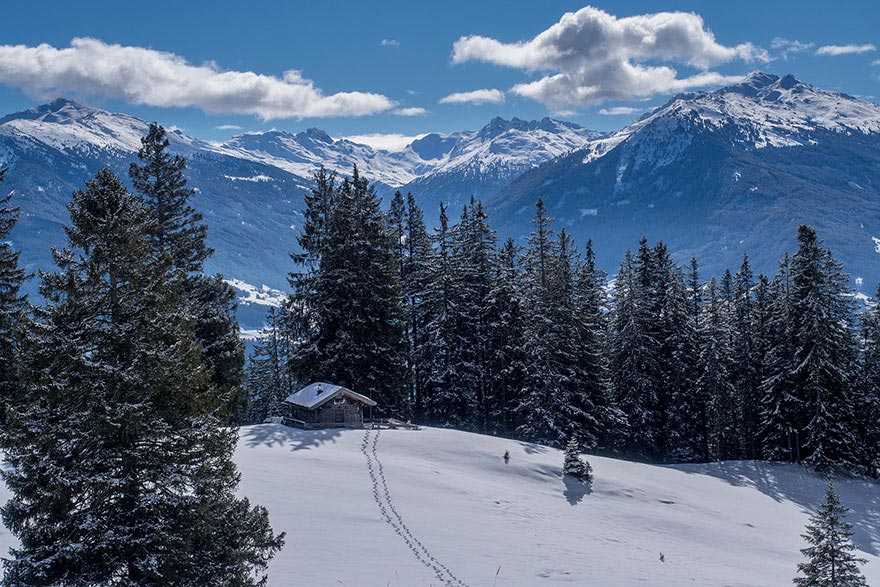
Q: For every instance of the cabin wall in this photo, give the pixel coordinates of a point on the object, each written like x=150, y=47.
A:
x=339, y=411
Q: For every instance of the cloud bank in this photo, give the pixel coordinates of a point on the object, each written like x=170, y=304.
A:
x=487, y=96
x=590, y=56
x=834, y=50
x=619, y=111
x=385, y=142
x=156, y=78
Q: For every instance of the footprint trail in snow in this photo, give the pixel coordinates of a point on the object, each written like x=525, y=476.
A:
x=392, y=517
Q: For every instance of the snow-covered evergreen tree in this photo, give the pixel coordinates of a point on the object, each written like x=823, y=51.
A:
x=418, y=269
x=116, y=443
x=13, y=311
x=714, y=378
x=869, y=401
x=177, y=230
x=831, y=559
x=507, y=332
x=823, y=317
x=574, y=466
x=692, y=403
x=746, y=364
x=353, y=300
x=269, y=380
x=781, y=404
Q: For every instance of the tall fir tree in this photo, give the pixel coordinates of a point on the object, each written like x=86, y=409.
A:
x=507, y=332
x=13, y=309
x=823, y=317
x=869, y=397
x=177, y=230
x=831, y=559
x=746, y=364
x=116, y=444
x=715, y=375
x=693, y=401
x=419, y=267
x=353, y=301
x=781, y=404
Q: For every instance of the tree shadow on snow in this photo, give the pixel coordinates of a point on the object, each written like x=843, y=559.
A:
x=279, y=435
x=797, y=484
x=575, y=490
x=532, y=448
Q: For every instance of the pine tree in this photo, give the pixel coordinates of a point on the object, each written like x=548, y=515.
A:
x=869, y=400
x=692, y=401
x=353, y=301
x=13, y=311
x=440, y=400
x=268, y=375
x=714, y=375
x=574, y=466
x=556, y=403
x=781, y=404
x=177, y=230
x=823, y=316
x=116, y=444
x=419, y=267
x=746, y=364
x=591, y=326
x=831, y=561
x=507, y=334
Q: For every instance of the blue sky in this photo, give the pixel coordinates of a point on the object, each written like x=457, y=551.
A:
x=338, y=48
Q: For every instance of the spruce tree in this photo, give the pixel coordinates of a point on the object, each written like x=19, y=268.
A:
x=13, y=310
x=177, y=230
x=869, y=401
x=419, y=267
x=831, y=561
x=268, y=374
x=715, y=376
x=574, y=466
x=746, y=364
x=353, y=301
x=692, y=401
x=823, y=317
x=116, y=444
x=507, y=332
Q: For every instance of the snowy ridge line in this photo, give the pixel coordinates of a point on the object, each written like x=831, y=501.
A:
x=382, y=497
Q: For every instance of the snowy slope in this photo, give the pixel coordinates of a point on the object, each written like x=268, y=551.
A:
x=459, y=511
x=456, y=510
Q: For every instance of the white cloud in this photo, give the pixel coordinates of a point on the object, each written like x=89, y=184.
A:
x=619, y=110
x=385, y=142
x=156, y=78
x=486, y=96
x=389, y=43
x=413, y=111
x=786, y=47
x=227, y=127
x=834, y=50
x=590, y=56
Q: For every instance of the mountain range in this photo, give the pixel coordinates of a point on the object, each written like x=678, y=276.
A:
x=714, y=174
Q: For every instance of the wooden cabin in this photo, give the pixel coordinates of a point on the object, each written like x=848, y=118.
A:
x=324, y=405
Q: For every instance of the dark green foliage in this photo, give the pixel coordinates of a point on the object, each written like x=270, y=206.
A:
x=269, y=379
x=116, y=442
x=831, y=561
x=13, y=310
x=175, y=230
x=349, y=295
x=574, y=466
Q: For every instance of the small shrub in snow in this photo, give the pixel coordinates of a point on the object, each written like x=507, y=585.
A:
x=574, y=466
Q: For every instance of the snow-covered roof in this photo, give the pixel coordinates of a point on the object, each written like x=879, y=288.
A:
x=317, y=394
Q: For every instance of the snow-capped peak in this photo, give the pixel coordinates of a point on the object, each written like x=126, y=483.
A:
x=67, y=125
x=763, y=110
